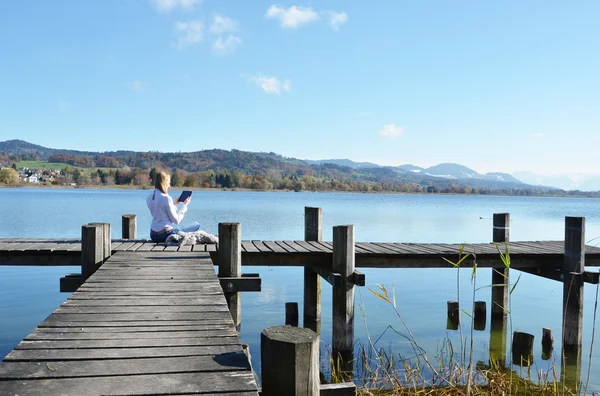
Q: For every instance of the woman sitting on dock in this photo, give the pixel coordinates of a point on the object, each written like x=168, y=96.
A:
x=165, y=215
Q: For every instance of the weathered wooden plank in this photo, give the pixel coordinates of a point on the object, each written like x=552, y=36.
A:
x=308, y=247
x=129, y=343
x=53, y=323
x=62, y=317
x=100, y=334
x=247, y=246
x=147, y=384
x=234, y=361
x=295, y=247
x=274, y=247
x=185, y=248
x=134, y=329
x=322, y=247
x=261, y=247
x=135, y=309
x=210, y=300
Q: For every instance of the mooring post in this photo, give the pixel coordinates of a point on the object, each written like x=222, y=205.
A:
x=289, y=361
x=129, y=226
x=500, y=274
x=106, y=239
x=230, y=264
x=313, y=231
x=343, y=300
x=500, y=279
x=92, y=249
x=291, y=314
x=572, y=324
x=522, y=349
x=479, y=315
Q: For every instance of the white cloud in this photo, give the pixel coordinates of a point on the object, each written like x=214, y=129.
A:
x=390, y=131
x=272, y=85
x=226, y=47
x=137, y=86
x=188, y=33
x=336, y=19
x=292, y=17
x=538, y=135
x=222, y=25
x=166, y=6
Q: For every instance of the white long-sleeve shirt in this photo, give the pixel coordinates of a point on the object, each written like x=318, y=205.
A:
x=163, y=210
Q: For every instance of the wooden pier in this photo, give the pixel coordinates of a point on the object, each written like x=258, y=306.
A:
x=135, y=287
x=143, y=323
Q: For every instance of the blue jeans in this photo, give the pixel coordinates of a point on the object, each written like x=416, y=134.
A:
x=161, y=236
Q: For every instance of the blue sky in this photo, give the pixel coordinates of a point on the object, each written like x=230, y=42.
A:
x=496, y=86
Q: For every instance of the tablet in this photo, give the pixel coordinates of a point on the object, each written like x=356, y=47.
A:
x=184, y=195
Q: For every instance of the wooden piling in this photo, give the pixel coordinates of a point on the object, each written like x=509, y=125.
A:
x=313, y=231
x=500, y=274
x=479, y=315
x=92, y=249
x=291, y=314
x=522, y=348
x=106, y=239
x=453, y=311
x=129, y=226
x=499, y=298
x=289, y=361
x=573, y=266
x=547, y=343
x=230, y=264
x=343, y=299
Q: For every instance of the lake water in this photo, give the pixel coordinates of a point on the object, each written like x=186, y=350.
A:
x=29, y=294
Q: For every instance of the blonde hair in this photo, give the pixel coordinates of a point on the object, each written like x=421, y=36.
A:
x=162, y=182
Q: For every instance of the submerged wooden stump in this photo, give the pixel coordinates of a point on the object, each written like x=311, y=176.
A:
x=547, y=343
x=453, y=315
x=522, y=348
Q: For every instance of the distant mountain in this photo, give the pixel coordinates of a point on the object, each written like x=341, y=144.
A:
x=279, y=170
x=411, y=168
x=564, y=181
x=343, y=162
x=451, y=171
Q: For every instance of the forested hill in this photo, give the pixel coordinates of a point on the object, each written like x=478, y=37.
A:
x=235, y=168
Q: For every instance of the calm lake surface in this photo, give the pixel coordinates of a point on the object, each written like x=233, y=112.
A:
x=29, y=294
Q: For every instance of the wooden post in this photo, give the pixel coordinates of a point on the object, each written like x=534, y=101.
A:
x=499, y=300
x=291, y=314
x=313, y=226
x=343, y=299
x=522, y=348
x=106, y=239
x=289, y=361
x=230, y=264
x=129, y=226
x=572, y=324
x=500, y=274
x=92, y=249
x=547, y=343
x=453, y=311
x=479, y=315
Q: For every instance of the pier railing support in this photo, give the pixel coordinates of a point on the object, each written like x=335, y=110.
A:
x=343, y=299
x=129, y=226
x=313, y=231
x=572, y=324
x=500, y=280
x=230, y=264
x=92, y=248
